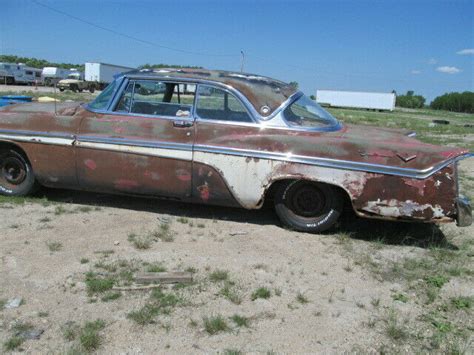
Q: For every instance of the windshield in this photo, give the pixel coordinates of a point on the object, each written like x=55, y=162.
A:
x=306, y=113
x=101, y=102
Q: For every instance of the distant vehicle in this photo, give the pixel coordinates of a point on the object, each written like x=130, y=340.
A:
x=103, y=74
x=356, y=99
x=76, y=83
x=13, y=73
x=52, y=75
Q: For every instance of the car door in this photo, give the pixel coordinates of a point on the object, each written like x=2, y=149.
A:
x=141, y=146
x=223, y=127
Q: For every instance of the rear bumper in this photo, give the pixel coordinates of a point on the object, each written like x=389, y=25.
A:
x=464, y=212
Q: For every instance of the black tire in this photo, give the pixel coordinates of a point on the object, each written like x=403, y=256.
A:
x=74, y=88
x=16, y=174
x=92, y=89
x=61, y=89
x=308, y=206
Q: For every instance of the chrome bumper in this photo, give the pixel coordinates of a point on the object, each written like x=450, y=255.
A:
x=464, y=212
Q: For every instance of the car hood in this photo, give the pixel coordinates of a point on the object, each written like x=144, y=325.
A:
x=69, y=81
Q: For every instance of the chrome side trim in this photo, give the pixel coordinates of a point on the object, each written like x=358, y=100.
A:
x=332, y=163
x=38, y=137
x=135, y=143
x=122, y=144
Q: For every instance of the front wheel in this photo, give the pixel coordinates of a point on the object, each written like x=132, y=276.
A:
x=308, y=206
x=16, y=174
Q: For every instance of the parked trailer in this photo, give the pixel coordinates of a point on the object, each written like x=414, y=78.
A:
x=356, y=99
x=52, y=75
x=102, y=73
x=13, y=73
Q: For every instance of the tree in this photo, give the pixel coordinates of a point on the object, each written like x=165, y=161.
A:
x=312, y=97
x=294, y=84
x=455, y=101
x=410, y=100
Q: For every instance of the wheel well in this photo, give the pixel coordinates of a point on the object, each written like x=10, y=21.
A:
x=12, y=146
x=273, y=188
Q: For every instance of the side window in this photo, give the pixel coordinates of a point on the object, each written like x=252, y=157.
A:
x=217, y=104
x=157, y=98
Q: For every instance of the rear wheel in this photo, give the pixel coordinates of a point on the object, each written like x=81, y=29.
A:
x=308, y=206
x=16, y=174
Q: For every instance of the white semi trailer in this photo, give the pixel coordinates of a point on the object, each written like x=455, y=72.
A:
x=357, y=99
x=102, y=73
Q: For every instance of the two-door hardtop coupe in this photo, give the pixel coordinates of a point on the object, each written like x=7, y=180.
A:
x=231, y=139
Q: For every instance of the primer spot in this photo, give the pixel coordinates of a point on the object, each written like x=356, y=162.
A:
x=90, y=164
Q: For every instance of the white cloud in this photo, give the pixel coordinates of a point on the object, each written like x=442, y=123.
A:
x=432, y=61
x=448, y=70
x=467, y=51
x=416, y=72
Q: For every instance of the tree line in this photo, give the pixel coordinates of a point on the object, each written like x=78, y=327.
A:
x=38, y=63
x=41, y=63
x=454, y=101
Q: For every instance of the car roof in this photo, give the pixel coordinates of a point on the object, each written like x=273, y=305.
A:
x=264, y=93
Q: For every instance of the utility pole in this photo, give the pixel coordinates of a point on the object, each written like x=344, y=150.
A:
x=242, y=61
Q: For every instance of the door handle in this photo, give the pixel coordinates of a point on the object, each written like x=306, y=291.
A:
x=183, y=123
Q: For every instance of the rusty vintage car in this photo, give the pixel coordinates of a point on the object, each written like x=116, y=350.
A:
x=230, y=139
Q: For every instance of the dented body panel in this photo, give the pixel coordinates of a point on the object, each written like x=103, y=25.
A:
x=389, y=176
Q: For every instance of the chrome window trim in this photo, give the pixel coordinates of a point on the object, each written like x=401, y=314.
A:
x=332, y=128
x=199, y=118
x=259, y=120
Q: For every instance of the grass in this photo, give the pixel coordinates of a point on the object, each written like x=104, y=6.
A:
x=13, y=343
x=140, y=242
x=98, y=284
x=219, y=275
x=145, y=315
x=301, y=298
x=90, y=337
x=182, y=220
x=215, y=324
x=70, y=331
x=400, y=297
x=261, y=292
x=394, y=329
x=164, y=233
x=436, y=280
x=84, y=260
x=156, y=267
x=54, y=246
x=159, y=303
x=240, y=321
x=462, y=302
x=228, y=291
x=111, y=296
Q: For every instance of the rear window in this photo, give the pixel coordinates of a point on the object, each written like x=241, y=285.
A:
x=306, y=113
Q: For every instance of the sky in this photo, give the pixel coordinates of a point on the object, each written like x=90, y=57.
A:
x=420, y=45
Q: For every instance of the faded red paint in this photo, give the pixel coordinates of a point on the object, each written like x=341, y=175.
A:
x=371, y=194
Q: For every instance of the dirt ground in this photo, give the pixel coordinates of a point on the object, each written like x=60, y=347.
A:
x=367, y=286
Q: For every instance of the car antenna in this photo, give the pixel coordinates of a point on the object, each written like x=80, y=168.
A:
x=55, y=100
